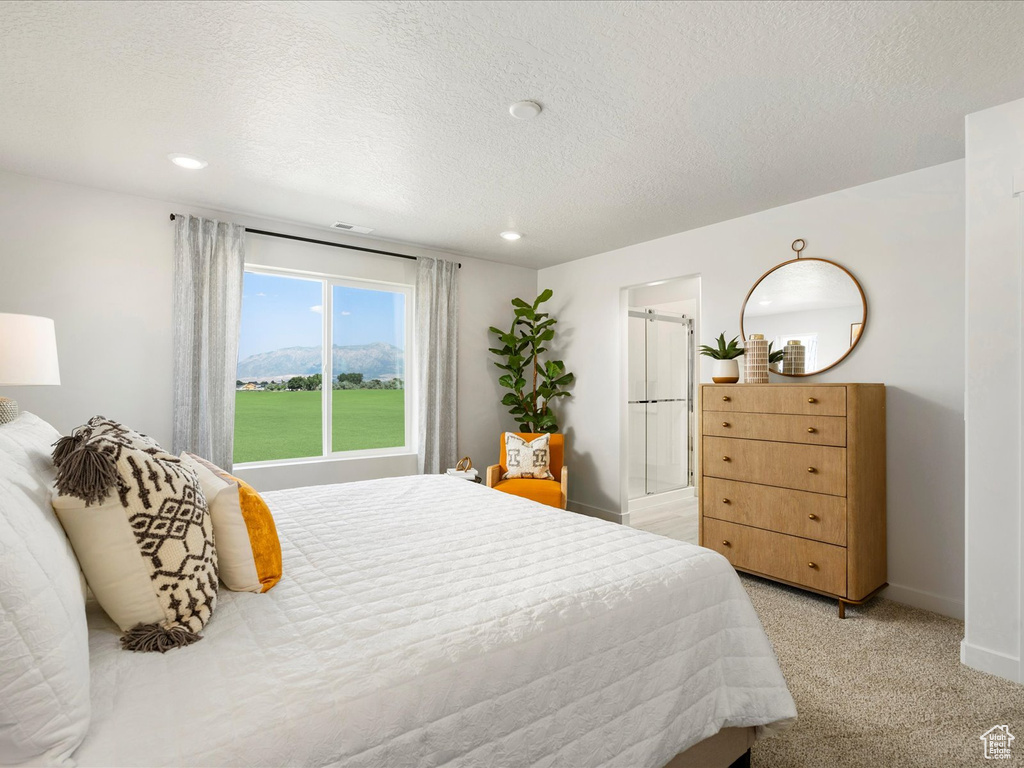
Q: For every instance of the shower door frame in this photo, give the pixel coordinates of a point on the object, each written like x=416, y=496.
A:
x=651, y=316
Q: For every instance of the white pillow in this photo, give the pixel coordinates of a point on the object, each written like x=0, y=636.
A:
x=527, y=459
x=44, y=644
x=248, y=548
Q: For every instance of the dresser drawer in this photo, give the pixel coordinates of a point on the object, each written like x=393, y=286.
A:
x=775, y=398
x=816, y=468
x=799, y=561
x=810, y=429
x=798, y=513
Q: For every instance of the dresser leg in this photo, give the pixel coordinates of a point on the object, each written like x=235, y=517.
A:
x=842, y=610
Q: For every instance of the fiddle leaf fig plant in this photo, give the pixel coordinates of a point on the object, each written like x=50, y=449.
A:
x=533, y=382
x=723, y=350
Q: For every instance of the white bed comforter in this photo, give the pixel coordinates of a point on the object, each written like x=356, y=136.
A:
x=428, y=621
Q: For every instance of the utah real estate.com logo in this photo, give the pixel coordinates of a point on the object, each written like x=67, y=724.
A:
x=997, y=742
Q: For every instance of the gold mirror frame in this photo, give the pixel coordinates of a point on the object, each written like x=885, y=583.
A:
x=856, y=282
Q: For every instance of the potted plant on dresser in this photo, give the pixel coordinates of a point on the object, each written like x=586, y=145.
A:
x=727, y=368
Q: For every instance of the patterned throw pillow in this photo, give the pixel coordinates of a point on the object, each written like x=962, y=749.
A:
x=527, y=459
x=140, y=526
x=248, y=550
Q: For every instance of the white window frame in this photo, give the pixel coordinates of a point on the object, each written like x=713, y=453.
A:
x=327, y=285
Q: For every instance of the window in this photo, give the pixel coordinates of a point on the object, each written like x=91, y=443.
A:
x=292, y=400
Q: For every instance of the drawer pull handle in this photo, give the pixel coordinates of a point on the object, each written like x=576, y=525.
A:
x=725, y=543
x=812, y=430
x=726, y=501
x=812, y=470
x=726, y=458
x=812, y=565
x=812, y=516
x=812, y=400
x=725, y=423
x=725, y=398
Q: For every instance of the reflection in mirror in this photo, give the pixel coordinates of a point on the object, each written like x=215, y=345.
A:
x=814, y=302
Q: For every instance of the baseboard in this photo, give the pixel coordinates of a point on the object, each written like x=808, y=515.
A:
x=992, y=662
x=928, y=601
x=603, y=514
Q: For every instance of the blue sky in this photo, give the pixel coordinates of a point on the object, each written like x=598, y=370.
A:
x=280, y=312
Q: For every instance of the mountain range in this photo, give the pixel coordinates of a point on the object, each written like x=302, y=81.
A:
x=374, y=361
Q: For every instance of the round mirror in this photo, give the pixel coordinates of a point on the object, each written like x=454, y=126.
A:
x=812, y=310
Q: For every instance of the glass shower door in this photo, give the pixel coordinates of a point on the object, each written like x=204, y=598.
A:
x=660, y=402
x=668, y=465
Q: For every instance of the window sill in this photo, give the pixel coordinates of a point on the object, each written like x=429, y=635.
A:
x=377, y=453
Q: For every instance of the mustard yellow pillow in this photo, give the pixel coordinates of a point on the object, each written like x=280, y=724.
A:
x=248, y=550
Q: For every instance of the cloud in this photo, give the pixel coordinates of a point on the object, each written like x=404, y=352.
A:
x=346, y=313
x=318, y=308
x=261, y=294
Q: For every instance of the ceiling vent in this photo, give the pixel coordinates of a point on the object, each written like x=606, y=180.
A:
x=351, y=228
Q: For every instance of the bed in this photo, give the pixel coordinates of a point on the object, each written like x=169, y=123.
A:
x=428, y=621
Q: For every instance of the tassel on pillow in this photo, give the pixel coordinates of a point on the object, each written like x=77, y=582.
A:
x=89, y=472
x=65, y=446
x=156, y=637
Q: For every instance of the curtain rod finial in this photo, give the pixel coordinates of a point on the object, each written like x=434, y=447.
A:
x=172, y=217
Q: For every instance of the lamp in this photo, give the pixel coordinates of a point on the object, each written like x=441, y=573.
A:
x=28, y=356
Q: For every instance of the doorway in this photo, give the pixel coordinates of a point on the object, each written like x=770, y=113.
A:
x=660, y=401
x=662, y=327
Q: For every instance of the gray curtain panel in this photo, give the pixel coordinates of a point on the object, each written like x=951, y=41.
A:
x=437, y=342
x=209, y=259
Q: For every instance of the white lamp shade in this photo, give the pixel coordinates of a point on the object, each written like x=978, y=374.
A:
x=28, y=350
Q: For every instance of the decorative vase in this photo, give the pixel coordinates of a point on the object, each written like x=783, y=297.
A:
x=726, y=371
x=8, y=410
x=793, y=355
x=755, y=360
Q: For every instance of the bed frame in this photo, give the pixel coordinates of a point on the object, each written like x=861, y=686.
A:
x=729, y=748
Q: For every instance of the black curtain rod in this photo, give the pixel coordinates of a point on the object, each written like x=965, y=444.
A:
x=326, y=242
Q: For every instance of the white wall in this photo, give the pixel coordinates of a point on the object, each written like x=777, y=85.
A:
x=994, y=636
x=904, y=240
x=100, y=264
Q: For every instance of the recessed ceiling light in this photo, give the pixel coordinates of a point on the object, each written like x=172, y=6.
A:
x=510, y=235
x=525, y=110
x=765, y=303
x=190, y=162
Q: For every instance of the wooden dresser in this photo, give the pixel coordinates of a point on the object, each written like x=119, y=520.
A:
x=793, y=484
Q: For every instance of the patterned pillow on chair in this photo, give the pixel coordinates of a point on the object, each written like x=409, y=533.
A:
x=141, y=528
x=527, y=459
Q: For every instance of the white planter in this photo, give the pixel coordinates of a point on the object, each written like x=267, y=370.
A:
x=725, y=371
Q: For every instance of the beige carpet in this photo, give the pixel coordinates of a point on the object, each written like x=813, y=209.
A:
x=883, y=687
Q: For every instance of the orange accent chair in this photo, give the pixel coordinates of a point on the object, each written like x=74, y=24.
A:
x=554, y=493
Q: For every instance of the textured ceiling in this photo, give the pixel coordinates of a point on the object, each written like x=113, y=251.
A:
x=658, y=117
x=803, y=285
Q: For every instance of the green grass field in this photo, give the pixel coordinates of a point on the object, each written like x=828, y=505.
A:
x=286, y=425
